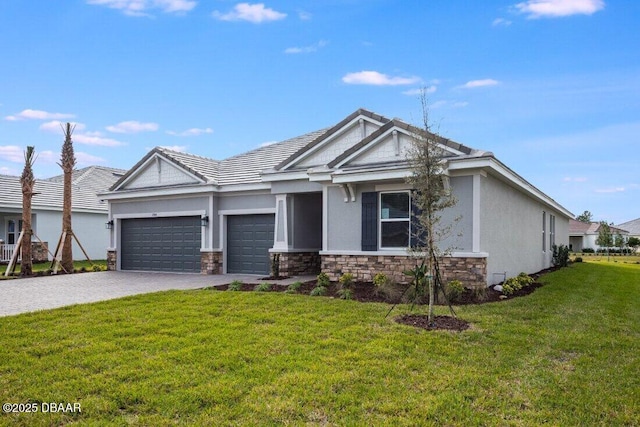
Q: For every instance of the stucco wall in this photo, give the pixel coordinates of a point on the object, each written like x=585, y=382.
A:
x=511, y=230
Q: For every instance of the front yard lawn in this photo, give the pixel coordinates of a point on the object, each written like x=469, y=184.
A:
x=568, y=354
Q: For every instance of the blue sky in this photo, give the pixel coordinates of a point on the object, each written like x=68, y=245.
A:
x=551, y=87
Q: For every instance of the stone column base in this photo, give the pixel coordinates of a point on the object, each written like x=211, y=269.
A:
x=211, y=262
x=112, y=259
x=298, y=263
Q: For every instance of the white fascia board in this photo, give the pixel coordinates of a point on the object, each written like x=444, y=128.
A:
x=498, y=168
x=330, y=138
x=18, y=209
x=241, y=188
x=284, y=176
x=361, y=176
x=320, y=177
x=159, y=192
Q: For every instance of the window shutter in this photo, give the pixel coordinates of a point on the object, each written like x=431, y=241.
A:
x=370, y=221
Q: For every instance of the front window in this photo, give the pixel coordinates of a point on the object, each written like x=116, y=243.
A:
x=395, y=220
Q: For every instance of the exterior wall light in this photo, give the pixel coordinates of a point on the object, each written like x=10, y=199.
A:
x=204, y=221
x=109, y=225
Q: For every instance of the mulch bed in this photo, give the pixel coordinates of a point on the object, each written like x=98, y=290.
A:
x=366, y=292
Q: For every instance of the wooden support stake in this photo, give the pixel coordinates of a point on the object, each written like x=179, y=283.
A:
x=12, y=263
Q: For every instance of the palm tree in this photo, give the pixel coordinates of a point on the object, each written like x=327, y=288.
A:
x=67, y=163
x=28, y=181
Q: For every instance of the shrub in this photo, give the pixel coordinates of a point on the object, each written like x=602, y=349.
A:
x=454, y=290
x=560, y=256
x=294, y=287
x=96, y=267
x=578, y=259
x=418, y=289
x=511, y=285
x=588, y=251
x=318, y=291
x=380, y=279
x=346, y=281
x=236, y=285
x=525, y=279
x=262, y=287
x=323, y=279
x=479, y=293
x=345, y=293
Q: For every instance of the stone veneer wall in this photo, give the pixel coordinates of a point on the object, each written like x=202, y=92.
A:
x=211, y=262
x=472, y=272
x=40, y=251
x=112, y=259
x=296, y=263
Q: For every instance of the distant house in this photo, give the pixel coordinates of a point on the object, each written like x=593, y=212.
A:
x=633, y=227
x=334, y=200
x=583, y=235
x=89, y=212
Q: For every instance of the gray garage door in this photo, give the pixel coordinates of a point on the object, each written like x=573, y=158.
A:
x=249, y=238
x=161, y=244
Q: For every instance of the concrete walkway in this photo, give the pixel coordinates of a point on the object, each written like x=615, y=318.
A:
x=42, y=293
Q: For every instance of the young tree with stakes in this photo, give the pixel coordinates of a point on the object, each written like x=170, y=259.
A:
x=605, y=238
x=67, y=163
x=430, y=196
x=28, y=181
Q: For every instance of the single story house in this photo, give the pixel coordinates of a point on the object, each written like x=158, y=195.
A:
x=88, y=218
x=583, y=235
x=334, y=200
x=632, y=227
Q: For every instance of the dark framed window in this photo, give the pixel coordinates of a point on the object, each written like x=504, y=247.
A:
x=395, y=219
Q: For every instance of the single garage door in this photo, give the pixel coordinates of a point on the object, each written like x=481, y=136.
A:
x=161, y=244
x=249, y=238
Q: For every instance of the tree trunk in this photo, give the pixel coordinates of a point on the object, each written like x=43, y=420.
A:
x=28, y=181
x=68, y=162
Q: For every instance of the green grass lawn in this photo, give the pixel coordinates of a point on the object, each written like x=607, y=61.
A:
x=569, y=354
x=44, y=266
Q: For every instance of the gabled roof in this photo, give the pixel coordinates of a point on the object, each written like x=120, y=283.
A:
x=633, y=226
x=396, y=123
x=94, y=178
x=580, y=228
x=49, y=192
x=329, y=132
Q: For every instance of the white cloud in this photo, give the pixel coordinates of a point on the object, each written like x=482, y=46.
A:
x=12, y=153
x=255, y=13
x=610, y=190
x=306, y=49
x=377, y=79
x=29, y=114
x=178, y=148
x=141, y=7
x=418, y=91
x=8, y=171
x=85, y=159
x=448, y=104
x=95, y=138
x=501, y=22
x=190, y=132
x=557, y=8
x=479, y=83
x=48, y=156
x=56, y=126
x=132, y=126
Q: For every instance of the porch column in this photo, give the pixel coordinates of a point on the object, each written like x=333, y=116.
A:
x=281, y=236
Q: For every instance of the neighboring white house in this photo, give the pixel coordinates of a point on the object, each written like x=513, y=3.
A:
x=334, y=200
x=89, y=212
x=633, y=227
x=583, y=235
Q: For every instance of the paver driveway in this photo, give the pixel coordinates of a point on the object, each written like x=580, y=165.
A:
x=41, y=293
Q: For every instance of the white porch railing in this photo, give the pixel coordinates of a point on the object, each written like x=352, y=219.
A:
x=6, y=252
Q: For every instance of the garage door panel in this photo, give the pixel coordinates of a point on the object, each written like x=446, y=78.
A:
x=161, y=244
x=249, y=238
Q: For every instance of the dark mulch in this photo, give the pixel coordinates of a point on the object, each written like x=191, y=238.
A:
x=439, y=322
x=366, y=292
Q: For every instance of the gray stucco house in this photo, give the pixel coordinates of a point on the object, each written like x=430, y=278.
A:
x=334, y=200
x=89, y=212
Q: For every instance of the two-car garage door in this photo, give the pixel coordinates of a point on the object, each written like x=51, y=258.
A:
x=173, y=244
x=161, y=244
